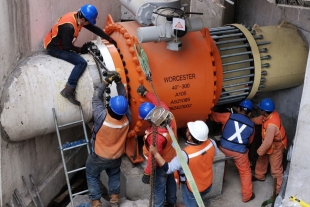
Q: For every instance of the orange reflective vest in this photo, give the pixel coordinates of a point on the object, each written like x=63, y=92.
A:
x=274, y=119
x=200, y=160
x=67, y=18
x=111, y=137
x=168, y=152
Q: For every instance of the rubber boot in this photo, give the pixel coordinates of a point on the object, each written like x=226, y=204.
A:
x=95, y=203
x=69, y=93
x=114, y=200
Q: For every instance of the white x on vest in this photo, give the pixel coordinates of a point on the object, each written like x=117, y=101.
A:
x=238, y=132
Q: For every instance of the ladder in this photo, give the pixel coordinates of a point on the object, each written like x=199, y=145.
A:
x=70, y=146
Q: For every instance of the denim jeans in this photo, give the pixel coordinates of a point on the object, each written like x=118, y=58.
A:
x=164, y=188
x=94, y=166
x=188, y=197
x=72, y=57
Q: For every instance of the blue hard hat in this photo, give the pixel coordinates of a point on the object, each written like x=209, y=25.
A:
x=247, y=104
x=145, y=108
x=267, y=105
x=119, y=105
x=89, y=12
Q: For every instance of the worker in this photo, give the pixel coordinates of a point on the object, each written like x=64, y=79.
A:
x=164, y=186
x=198, y=154
x=111, y=125
x=59, y=43
x=238, y=133
x=273, y=144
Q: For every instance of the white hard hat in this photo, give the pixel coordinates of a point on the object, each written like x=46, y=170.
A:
x=199, y=130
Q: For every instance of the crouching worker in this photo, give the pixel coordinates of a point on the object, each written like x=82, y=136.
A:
x=164, y=186
x=111, y=125
x=199, y=154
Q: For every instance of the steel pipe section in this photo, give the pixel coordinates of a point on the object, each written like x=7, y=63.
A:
x=34, y=89
x=244, y=52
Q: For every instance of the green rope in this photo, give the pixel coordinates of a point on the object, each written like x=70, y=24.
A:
x=186, y=169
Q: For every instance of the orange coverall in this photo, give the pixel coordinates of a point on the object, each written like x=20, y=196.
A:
x=275, y=158
x=241, y=160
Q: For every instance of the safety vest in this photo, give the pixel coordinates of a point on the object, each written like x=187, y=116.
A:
x=274, y=119
x=200, y=160
x=168, y=152
x=111, y=137
x=67, y=18
x=236, y=133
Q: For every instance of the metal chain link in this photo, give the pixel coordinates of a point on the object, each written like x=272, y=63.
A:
x=143, y=60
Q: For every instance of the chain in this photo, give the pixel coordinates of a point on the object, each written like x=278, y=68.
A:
x=143, y=60
x=153, y=167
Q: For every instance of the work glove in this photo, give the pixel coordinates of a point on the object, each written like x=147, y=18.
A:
x=146, y=178
x=85, y=47
x=141, y=90
x=117, y=78
x=112, y=41
x=110, y=77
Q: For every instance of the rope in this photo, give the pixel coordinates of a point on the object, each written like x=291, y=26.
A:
x=144, y=62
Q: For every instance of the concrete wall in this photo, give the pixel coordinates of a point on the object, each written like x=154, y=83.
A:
x=293, y=102
x=24, y=25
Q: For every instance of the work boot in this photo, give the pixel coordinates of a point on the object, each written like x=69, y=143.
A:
x=69, y=93
x=114, y=200
x=252, y=197
x=95, y=203
x=256, y=179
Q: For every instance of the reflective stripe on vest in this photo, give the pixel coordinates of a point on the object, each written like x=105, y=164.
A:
x=111, y=137
x=236, y=133
x=274, y=119
x=67, y=18
x=200, y=160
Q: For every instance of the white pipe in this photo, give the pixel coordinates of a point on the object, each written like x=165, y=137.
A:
x=34, y=89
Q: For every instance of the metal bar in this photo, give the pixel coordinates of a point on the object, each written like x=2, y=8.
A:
x=238, y=84
x=240, y=89
x=16, y=199
x=224, y=32
x=76, y=170
x=237, y=62
x=236, y=54
x=238, y=70
x=62, y=157
x=85, y=131
x=11, y=201
x=234, y=47
x=265, y=65
x=36, y=190
x=234, y=96
x=76, y=146
x=263, y=50
x=227, y=36
x=19, y=198
x=263, y=43
x=69, y=124
x=267, y=57
x=221, y=28
x=79, y=193
x=259, y=37
x=230, y=100
x=231, y=41
x=34, y=202
x=238, y=77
